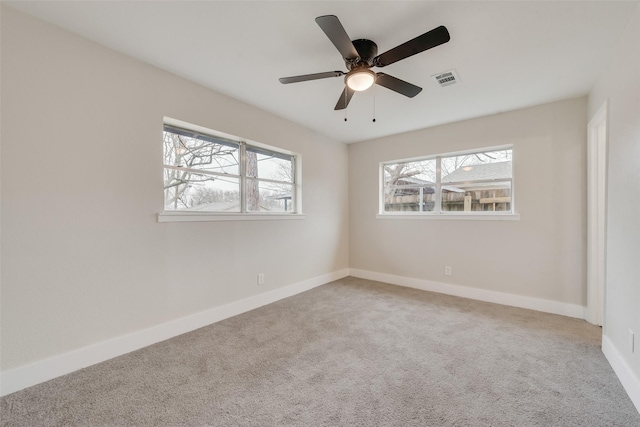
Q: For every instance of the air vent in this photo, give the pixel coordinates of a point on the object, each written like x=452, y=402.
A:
x=446, y=78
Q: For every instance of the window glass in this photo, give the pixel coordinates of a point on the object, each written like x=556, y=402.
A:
x=206, y=173
x=269, y=196
x=477, y=197
x=196, y=151
x=198, y=192
x=491, y=165
x=410, y=173
x=269, y=165
x=410, y=186
x=478, y=181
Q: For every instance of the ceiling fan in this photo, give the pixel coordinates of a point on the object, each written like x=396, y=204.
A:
x=361, y=55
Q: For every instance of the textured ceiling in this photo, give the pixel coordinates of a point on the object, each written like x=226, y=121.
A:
x=508, y=55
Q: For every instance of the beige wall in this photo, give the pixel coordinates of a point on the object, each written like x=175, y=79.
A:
x=542, y=255
x=620, y=84
x=84, y=259
x=83, y=256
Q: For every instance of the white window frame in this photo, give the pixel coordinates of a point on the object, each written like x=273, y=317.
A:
x=438, y=213
x=243, y=215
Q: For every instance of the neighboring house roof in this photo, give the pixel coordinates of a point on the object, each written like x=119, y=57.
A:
x=285, y=196
x=412, y=180
x=483, y=171
x=452, y=189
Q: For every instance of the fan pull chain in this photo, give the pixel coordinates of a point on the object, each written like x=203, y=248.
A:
x=345, y=105
x=374, y=103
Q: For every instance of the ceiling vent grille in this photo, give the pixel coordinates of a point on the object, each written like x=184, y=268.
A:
x=446, y=78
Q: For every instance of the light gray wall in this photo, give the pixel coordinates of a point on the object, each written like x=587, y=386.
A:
x=83, y=257
x=543, y=255
x=620, y=84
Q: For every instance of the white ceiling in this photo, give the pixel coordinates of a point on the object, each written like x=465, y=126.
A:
x=508, y=55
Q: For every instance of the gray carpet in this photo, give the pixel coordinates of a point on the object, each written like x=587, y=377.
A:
x=350, y=353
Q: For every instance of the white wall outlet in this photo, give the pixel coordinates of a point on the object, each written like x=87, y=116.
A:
x=447, y=270
x=261, y=279
x=632, y=339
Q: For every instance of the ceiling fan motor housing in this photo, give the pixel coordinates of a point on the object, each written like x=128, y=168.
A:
x=367, y=51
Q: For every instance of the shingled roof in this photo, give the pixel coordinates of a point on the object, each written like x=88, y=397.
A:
x=483, y=171
x=413, y=180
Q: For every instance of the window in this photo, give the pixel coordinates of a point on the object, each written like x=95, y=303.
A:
x=456, y=183
x=205, y=172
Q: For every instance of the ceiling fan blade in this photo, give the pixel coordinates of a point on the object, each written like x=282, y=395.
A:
x=397, y=85
x=347, y=93
x=306, y=77
x=421, y=43
x=332, y=27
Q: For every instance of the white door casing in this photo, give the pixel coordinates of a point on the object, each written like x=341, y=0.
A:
x=596, y=213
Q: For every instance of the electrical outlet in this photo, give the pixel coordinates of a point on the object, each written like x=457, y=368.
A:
x=447, y=270
x=261, y=279
x=632, y=340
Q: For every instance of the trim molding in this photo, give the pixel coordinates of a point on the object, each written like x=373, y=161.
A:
x=597, y=141
x=625, y=374
x=48, y=369
x=497, y=216
x=538, y=304
x=181, y=216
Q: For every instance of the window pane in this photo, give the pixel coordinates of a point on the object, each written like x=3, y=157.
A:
x=410, y=199
x=489, y=165
x=197, y=192
x=205, y=153
x=269, y=165
x=269, y=197
x=494, y=196
x=421, y=172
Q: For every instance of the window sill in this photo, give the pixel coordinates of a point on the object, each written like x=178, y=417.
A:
x=214, y=216
x=455, y=217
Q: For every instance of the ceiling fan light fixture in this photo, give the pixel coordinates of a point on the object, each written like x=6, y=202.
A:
x=360, y=80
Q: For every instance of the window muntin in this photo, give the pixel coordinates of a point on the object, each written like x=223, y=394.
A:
x=471, y=182
x=206, y=173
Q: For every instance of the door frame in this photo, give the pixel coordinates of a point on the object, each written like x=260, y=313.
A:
x=597, y=142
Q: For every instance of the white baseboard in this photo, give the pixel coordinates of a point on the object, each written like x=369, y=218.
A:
x=625, y=374
x=547, y=306
x=45, y=370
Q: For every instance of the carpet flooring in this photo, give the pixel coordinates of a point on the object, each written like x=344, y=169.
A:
x=350, y=353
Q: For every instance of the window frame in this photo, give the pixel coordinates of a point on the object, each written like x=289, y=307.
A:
x=179, y=215
x=438, y=213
